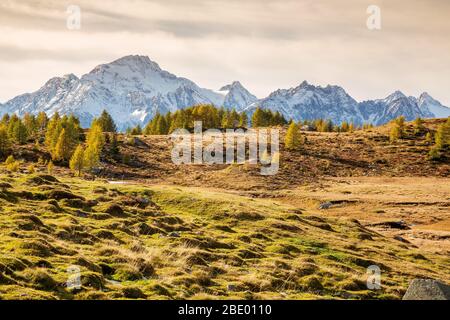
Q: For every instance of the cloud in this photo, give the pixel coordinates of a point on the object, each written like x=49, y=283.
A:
x=266, y=44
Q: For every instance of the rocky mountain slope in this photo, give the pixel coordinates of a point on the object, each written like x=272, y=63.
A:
x=134, y=88
x=236, y=96
x=309, y=102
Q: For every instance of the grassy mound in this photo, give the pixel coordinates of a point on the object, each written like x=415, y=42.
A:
x=164, y=242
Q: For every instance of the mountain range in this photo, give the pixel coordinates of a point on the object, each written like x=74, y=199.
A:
x=134, y=88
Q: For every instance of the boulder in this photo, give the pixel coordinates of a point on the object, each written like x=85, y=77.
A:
x=427, y=289
x=325, y=205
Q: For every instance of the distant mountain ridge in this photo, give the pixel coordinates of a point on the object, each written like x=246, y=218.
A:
x=134, y=88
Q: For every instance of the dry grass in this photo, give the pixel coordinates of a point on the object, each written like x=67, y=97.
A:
x=226, y=232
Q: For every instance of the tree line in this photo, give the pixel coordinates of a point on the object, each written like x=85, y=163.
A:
x=209, y=115
x=213, y=117
x=440, y=140
x=62, y=136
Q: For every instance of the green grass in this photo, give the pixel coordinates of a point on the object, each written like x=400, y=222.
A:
x=169, y=242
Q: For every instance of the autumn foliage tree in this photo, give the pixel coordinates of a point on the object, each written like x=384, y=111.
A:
x=62, y=136
x=77, y=162
x=442, y=141
x=293, y=139
x=397, y=130
x=17, y=131
x=267, y=118
x=95, y=142
x=4, y=140
x=63, y=147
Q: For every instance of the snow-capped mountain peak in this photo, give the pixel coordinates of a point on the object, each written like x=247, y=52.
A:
x=429, y=104
x=134, y=88
x=236, y=96
x=395, y=96
x=233, y=85
x=309, y=102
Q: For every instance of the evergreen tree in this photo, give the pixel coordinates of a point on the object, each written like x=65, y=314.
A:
x=42, y=121
x=442, y=137
x=278, y=119
x=114, y=144
x=54, y=128
x=344, y=126
x=226, y=120
x=179, y=121
x=234, y=119
x=168, y=120
x=63, y=148
x=31, y=125
x=400, y=123
x=161, y=126
x=77, y=161
x=394, y=134
x=95, y=142
x=328, y=126
x=150, y=128
x=107, y=122
x=136, y=131
x=418, y=126
x=5, y=119
x=4, y=140
x=258, y=118
x=17, y=131
x=397, y=130
x=220, y=115
x=293, y=139
x=243, y=120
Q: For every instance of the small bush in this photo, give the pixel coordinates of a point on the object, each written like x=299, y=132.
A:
x=133, y=293
x=127, y=273
x=41, y=279
x=11, y=164
x=31, y=169
x=434, y=154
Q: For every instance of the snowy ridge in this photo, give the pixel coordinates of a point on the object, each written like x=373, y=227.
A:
x=236, y=96
x=309, y=102
x=134, y=88
x=427, y=104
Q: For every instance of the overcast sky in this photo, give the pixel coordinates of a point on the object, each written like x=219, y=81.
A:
x=265, y=44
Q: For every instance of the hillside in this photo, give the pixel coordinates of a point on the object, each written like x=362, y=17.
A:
x=138, y=241
x=324, y=155
x=146, y=228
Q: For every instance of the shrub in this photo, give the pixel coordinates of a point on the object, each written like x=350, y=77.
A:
x=50, y=167
x=394, y=135
x=434, y=154
x=429, y=138
x=31, y=169
x=11, y=164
